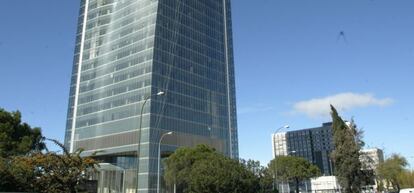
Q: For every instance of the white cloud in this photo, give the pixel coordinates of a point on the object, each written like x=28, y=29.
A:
x=343, y=102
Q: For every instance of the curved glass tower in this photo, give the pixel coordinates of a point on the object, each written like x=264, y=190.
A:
x=127, y=51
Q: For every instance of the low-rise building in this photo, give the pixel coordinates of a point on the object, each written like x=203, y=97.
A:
x=325, y=184
x=370, y=158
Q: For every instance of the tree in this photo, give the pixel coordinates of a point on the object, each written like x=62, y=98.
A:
x=391, y=170
x=221, y=174
x=178, y=164
x=52, y=173
x=266, y=182
x=17, y=138
x=203, y=170
x=8, y=182
x=47, y=172
x=253, y=166
x=27, y=166
x=406, y=179
x=346, y=156
x=262, y=173
x=292, y=168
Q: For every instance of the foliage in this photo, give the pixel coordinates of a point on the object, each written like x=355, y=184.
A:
x=49, y=172
x=8, y=182
x=346, y=156
x=221, y=174
x=266, y=182
x=25, y=168
x=62, y=173
x=262, y=173
x=17, y=138
x=178, y=165
x=203, y=170
x=406, y=179
x=253, y=166
x=292, y=168
x=368, y=165
x=391, y=171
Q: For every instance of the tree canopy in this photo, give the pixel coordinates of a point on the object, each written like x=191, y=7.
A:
x=393, y=172
x=406, y=179
x=49, y=172
x=346, y=156
x=27, y=166
x=17, y=138
x=203, y=170
x=292, y=168
x=263, y=175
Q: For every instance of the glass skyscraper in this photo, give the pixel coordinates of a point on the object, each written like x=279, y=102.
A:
x=130, y=50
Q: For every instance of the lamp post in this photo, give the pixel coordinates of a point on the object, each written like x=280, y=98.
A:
x=160, y=93
x=288, y=154
x=274, y=149
x=159, y=159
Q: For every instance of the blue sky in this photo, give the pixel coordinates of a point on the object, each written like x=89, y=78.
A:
x=286, y=52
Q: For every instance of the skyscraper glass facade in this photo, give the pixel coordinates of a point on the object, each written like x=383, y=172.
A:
x=129, y=50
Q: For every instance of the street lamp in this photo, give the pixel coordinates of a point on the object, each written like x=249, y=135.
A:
x=160, y=93
x=288, y=154
x=159, y=159
x=274, y=149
